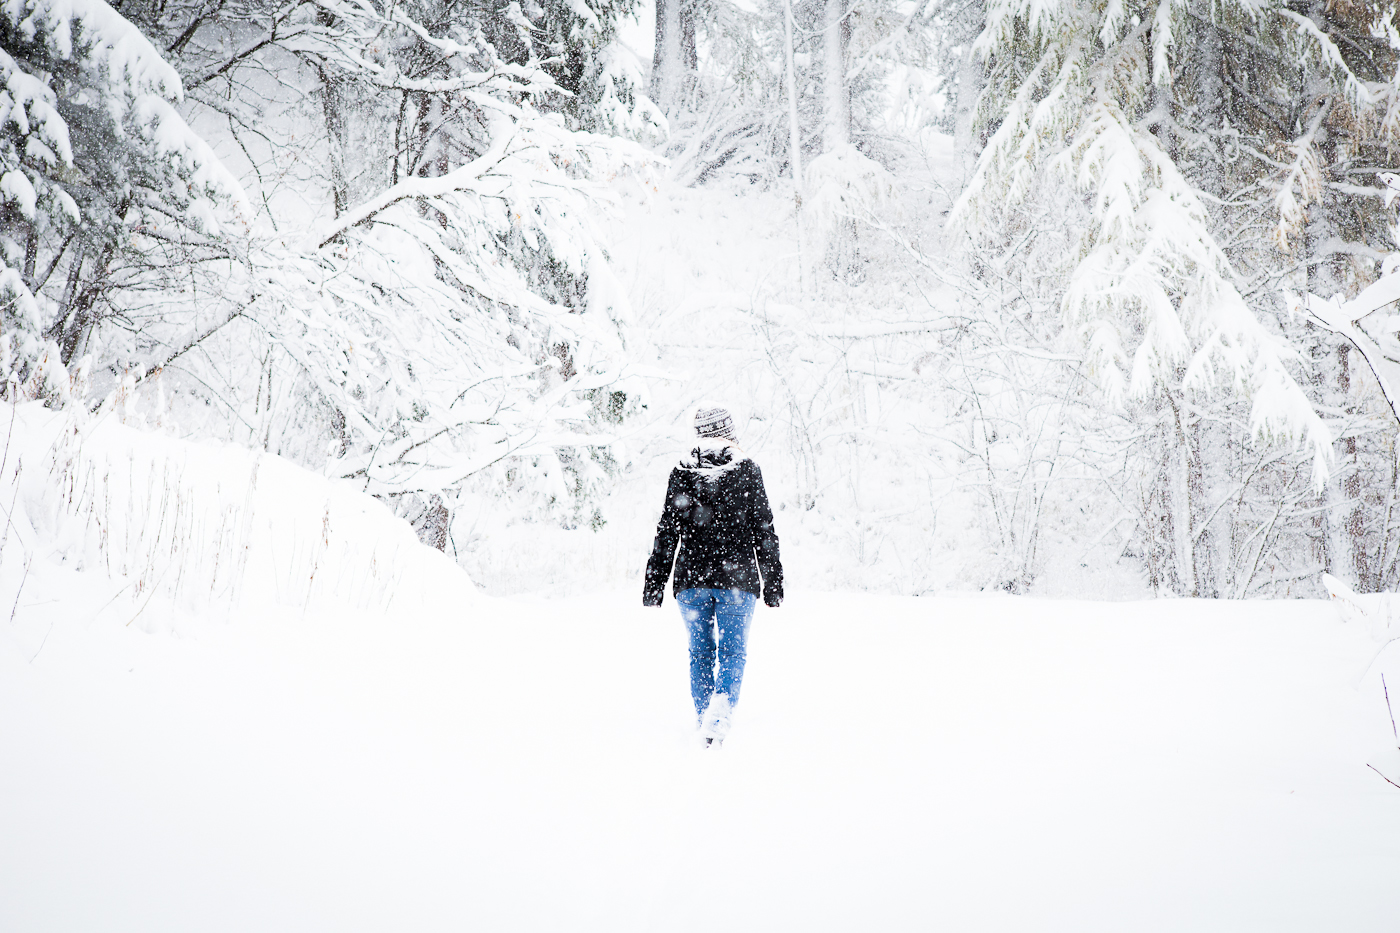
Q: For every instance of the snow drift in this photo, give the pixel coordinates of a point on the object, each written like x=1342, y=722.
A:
x=202, y=525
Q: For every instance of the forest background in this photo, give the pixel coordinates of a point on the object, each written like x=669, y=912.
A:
x=1006, y=295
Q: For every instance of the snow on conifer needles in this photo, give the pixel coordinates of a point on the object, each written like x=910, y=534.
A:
x=1152, y=291
x=91, y=152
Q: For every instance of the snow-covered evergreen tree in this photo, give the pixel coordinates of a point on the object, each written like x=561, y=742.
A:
x=101, y=177
x=1158, y=130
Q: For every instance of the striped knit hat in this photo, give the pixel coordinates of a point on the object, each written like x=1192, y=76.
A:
x=714, y=422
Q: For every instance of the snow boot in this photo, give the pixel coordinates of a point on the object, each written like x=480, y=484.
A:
x=714, y=724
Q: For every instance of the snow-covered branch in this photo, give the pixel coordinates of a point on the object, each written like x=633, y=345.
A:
x=1381, y=350
x=466, y=178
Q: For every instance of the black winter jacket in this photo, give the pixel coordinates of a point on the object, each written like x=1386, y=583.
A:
x=717, y=510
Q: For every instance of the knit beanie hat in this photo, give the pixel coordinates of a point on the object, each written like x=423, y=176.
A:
x=714, y=422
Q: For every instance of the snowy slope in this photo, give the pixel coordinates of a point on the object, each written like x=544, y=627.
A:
x=197, y=527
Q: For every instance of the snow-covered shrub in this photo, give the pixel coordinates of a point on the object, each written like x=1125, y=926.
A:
x=845, y=189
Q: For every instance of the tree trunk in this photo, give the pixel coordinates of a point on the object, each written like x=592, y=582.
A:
x=1181, y=514
x=1157, y=501
x=842, y=248
x=333, y=110
x=690, y=56
x=1210, y=58
x=836, y=122
x=1204, y=569
x=31, y=255
x=332, y=106
x=674, y=56
x=795, y=144
x=970, y=84
x=1355, y=522
x=1176, y=497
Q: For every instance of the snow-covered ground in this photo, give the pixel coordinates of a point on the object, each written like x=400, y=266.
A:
x=514, y=764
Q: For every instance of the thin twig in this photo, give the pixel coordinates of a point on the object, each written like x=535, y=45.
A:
x=1383, y=777
x=9, y=516
x=110, y=601
x=15, y=607
x=1390, y=711
x=154, y=588
x=233, y=315
x=14, y=411
x=1377, y=657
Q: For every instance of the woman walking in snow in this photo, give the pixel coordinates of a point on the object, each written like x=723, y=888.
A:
x=717, y=511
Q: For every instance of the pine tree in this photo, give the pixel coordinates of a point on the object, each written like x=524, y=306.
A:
x=1159, y=130
x=98, y=173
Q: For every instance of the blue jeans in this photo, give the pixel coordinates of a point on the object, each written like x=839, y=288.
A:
x=706, y=612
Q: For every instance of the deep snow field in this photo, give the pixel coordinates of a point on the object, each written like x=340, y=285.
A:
x=897, y=763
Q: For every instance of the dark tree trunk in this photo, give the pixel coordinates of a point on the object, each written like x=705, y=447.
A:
x=674, y=58
x=333, y=103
